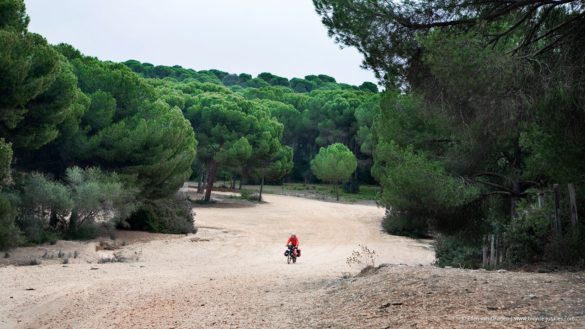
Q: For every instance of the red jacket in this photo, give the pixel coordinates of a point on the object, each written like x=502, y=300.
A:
x=293, y=240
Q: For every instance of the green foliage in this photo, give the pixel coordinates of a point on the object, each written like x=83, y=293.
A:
x=471, y=121
x=235, y=133
x=10, y=235
x=398, y=224
x=169, y=215
x=13, y=15
x=528, y=235
x=96, y=194
x=38, y=89
x=248, y=195
x=334, y=163
x=457, y=251
x=5, y=160
x=411, y=180
x=566, y=249
x=48, y=209
x=44, y=199
x=157, y=146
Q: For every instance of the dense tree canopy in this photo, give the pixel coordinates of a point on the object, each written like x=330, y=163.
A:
x=481, y=118
x=138, y=125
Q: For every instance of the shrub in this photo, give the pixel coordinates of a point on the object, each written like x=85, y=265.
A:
x=82, y=209
x=89, y=231
x=364, y=257
x=527, y=236
x=169, y=215
x=10, y=235
x=31, y=262
x=566, y=250
x=249, y=195
x=36, y=231
x=97, y=195
x=456, y=251
x=401, y=224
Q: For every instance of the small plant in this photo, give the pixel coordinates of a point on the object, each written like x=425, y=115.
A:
x=363, y=257
x=116, y=258
x=75, y=254
x=60, y=254
x=31, y=262
x=249, y=195
x=7, y=255
x=66, y=260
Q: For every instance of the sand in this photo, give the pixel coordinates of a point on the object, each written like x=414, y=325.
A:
x=233, y=274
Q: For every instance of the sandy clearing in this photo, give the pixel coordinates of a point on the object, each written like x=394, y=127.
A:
x=231, y=274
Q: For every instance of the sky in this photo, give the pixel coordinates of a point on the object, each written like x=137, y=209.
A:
x=283, y=37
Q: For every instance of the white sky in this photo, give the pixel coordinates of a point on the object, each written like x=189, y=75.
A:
x=283, y=37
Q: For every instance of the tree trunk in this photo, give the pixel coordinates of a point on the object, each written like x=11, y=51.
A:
x=202, y=177
x=240, y=187
x=485, y=260
x=516, y=192
x=233, y=184
x=573, y=200
x=261, y=188
x=337, y=191
x=212, y=171
x=493, y=250
x=73, y=221
x=540, y=199
x=54, y=220
x=200, y=184
x=557, y=218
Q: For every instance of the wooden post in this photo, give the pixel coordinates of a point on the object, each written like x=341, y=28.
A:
x=557, y=223
x=500, y=250
x=540, y=199
x=573, y=200
x=492, y=250
x=484, y=252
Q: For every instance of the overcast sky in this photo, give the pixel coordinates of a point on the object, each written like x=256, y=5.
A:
x=284, y=37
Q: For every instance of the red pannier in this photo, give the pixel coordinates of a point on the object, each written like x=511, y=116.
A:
x=298, y=252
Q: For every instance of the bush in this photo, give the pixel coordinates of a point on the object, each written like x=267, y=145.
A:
x=169, y=215
x=81, y=209
x=10, y=235
x=566, y=250
x=89, y=231
x=527, y=236
x=249, y=195
x=401, y=224
x=36, y=230
x=456, y=251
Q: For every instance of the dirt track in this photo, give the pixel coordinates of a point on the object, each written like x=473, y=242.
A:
x=231, y=274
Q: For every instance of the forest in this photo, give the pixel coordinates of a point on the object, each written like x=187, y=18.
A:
x=89, y=145
x=475, y=136
x=480, y=134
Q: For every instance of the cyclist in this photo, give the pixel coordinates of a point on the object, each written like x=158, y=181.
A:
x=294, y=242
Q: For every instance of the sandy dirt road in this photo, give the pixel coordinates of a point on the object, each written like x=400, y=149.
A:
x=231, y=274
